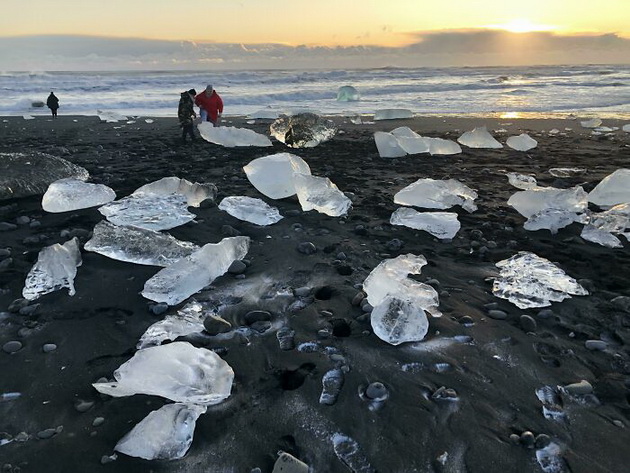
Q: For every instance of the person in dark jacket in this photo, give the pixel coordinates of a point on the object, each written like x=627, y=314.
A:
x=186, y=113
x=53, y=104
x=210, y=105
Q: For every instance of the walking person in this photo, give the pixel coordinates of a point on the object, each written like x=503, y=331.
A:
x=186, y=113
x=53, y=104
x=210, y=105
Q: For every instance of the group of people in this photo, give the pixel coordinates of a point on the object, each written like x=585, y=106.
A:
x=210, y=109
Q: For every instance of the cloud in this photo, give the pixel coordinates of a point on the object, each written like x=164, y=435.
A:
x=439, y=48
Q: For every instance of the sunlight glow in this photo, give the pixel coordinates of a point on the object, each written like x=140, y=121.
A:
x=522, y=25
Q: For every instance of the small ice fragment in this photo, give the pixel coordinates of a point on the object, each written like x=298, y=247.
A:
x=231, y=137
x=443, y=225
x=522, y=142
x=551, y=219
x=28, y=117
x=522, y=181
x=188, y=320
x=392, y=114
x=332, y=383
x=273, y=175
x=55, y=269
x=626, y=128
x=110, y=117
x=70, y=194
x=194, y=193
x=148, y=120
x=434, y=194
x=612, y=190
x=151, y=212
x=350, y=454
x=397, y=321
x=177, y=371
x=550, y=459
x=601, y=237
x=319, y=193
x=567, y=172
x=388, y=146
x=479, y=138
x=165, y=434
x=592, y=123
x=303, y=130
x=10, y=396
x=250, y=209
x=347, y=93
x=554, y=131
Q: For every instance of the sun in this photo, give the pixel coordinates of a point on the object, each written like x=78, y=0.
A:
x=522, y=25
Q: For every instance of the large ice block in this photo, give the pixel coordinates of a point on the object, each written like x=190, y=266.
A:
x=528, y=280
x=479, y=138
x=250, y=209
x=602, y=227
x=439, y=146
x=392, y=114
x=410, y=141
x=232, y=137
x=70, y=194
x=319, y=193
x=347, y=93
x=24, y=174
x=55, y=269
x=182, y=279
x=165, y=434
x=522, y=142
x=151, y=212
x=189, y=319
x=533, y=201
x=552, y=219
x=137, y=245
x=397, y=321
x=612, y=190
x=443, y=225
x=177, y=371
x=110, y=116
x=273, y=175
x=194, y=193
x=434, y=194
x=303, y=130
x=388, y=146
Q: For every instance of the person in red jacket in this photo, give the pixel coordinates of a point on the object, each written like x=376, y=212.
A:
x=210, y=105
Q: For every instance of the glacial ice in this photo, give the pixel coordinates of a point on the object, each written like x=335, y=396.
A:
x=435, y=194
x=522, y=142
x=250, y=209
x=55, y=269
x=319, y=193
x=601, y=237
x=397, y=321
x=392, y=114
x=70, y=194
x=567, y=172
x=110, y=117
x=533, y=201
x=165, y=434
x=388, y=146
x=231, y=137
x=612, y=190
x=439, y=146
x=194, y=193
x=151, y=212
x=443, y=225
x=182, y=279
x=528, y=280
x=177, y=371
x=601, y=226
x=402, y=141
x=303, y=130
x=273, y=175
x=24, y=174
x=592, y=123
x=626, y=128
x=189, y=319
x=479, y=138
x=347, y=93
x=552, y=219
x=522, y=181
x=137, y=245
x=410, y=141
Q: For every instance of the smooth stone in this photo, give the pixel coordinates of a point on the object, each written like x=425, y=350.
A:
x=237, y=267
x=528, y=439
x=22, y=220
x=47, y=433
x=159, y=308
x=358, y=298
x=215, y=325
x=49, y=347
x=528, y=323
x=292, y=213
x=29, y=310
x=342, y=256
x=580, y=389
x=497, y=314
x=18, y=304
x=466, y=320
x=7, y=227
x=595, y=345
x=4, y=253
x=394, y=245
x=542, y=441
x=98, y=421
x=515, y=439
x=83, y=406
x=622, y=302
x=376, y=391
x=6, y=264
x=489, y=305
x=366, y=306
x=261, y=326
x=12, y=346
x=307, y=248
x=545, y=314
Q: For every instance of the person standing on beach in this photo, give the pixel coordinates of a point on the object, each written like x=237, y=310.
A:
x=210, y=105
x=186, y=113
x=53, y=104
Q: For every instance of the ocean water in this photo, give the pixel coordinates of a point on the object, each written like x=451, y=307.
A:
x=602, y=91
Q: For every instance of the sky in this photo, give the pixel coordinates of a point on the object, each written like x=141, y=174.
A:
x=310, y=33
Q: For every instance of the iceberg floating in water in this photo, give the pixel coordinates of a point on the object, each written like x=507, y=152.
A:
x=435, y=194
x=303, y=130
x=612, y=190
x=522, y=142
x=592, y=123
x=55, y=269
x=251, y=210
x=392, y=114
x=70, y=194
x=137, y=245
x=273, y=175
x=528, y=281
x=188, y=320
x=443, y=225
x=319, y=193
x=110, y=117
x=479, y=138
x=522, y=181
x=151, y=212
x=182, y=279
x=25, y=174
x=165, y=434
x=232, y=137
x=177, y=371
x=347, y=93
x=194, y=193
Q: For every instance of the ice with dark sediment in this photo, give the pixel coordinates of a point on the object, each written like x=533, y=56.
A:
x=392, y=114
x=592, y=123
x=303, y=130
x=522, y=142
x=397, y=321
x=612, y=190
x=437, y=194
x=479, y=138
x=567, y=172
x=522, y=181
x=164, y=434
x=443, y=225
x=25, y=174
x=110, y=117
x=232, y=137
x=177, y=371
x=70, y=194
x=552, y=220
x=602, y=227
x=137, y=245
x=182, y=279
x=350, y=454
x=347, y=93
x=388, y=146
x=189, y=319
x=194, y=193
x=149, y=211
x=528, y=281
x=273, y=175
x=56, y=268
x=321, y=194
x=250, y=209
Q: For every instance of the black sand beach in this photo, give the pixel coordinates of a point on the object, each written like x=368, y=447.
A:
x=494, y=365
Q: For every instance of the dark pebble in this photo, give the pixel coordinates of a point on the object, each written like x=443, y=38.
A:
x=261, y=326
x=345, y=270
x=12, y=346
x=229, y=230
x=497, y=314
x=292, y=213
x=622, y=303
x=48, y=433
x=528, y=323
x=49, y=347
x=376, y=391
x=528, y=439
x=542, y=441
x=302, y=291
x=159, y=308
x=366, y=306
x=6, y=226
x=215, y=325
x=394, y=245
x=22, y=220
x=17, y=304
x=6, y=264
x=4, y=253
x=83, y=406
x=515, y=439
x=341, y=256
x=237, y=267
x=595, y=345
x=307, y=248
x=29, y=310
x=358, y=298
x=580, y=389
x=545, y=314
x=489, y=305
x=466, y=320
